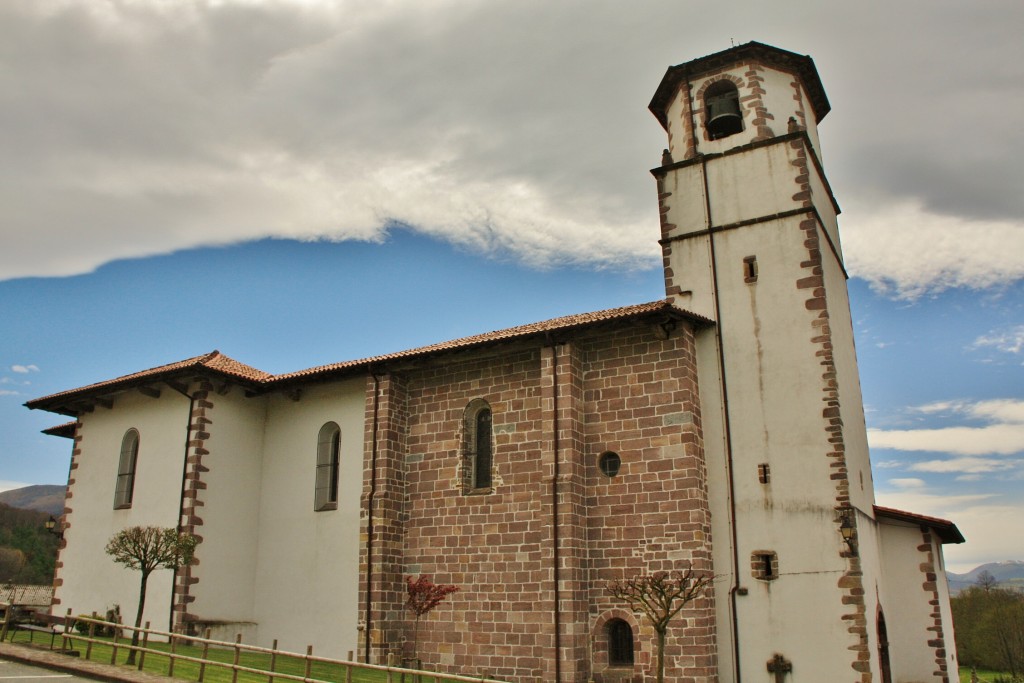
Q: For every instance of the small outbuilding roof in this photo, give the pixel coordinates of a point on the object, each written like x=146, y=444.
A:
x=943, y=528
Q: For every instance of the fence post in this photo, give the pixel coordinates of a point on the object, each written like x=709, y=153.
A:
x=69, y=624
x=206, y=651
x=238, y=653
x=348, y=669
x=174, y=647
x=113, y=644
x=309, y=662
x=92, y=635
x=273, y=661
x=8, y=608
x=145, y=644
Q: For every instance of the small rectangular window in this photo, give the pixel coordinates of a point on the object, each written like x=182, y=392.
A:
x=750, y=269
x=764, y=473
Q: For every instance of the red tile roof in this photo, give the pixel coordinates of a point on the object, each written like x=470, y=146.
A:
x=225, y=366
x=568, y=322
x=945, y=529
x=214, y=361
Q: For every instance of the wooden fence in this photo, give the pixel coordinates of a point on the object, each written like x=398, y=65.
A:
x=120, y=641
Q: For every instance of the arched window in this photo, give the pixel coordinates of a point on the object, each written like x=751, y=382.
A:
x=478, y=457
x=722, y=110
x=328, y=453
x=620, y=643
x=126, y=470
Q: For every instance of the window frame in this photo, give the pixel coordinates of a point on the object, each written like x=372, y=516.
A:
x=478, y=427
x=127, y=466
x=328, y=465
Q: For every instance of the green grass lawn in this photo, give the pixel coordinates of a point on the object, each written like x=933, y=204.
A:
x=984, y=675
x=160, y=664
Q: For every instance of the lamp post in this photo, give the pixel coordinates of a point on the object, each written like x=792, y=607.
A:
x=53, y=527
x=849, y=531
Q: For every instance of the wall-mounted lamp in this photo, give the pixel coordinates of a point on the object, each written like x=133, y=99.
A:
x=53, y=527
x=849, y=531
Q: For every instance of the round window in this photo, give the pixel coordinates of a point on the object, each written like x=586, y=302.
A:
x=609, y=463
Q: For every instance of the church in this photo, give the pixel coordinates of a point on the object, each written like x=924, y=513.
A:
x=721, y=428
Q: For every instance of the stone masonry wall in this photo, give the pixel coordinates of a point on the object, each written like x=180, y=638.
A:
x=623, y=390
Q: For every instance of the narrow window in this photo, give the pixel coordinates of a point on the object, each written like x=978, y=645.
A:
x=764, y=473
x=764, y=565
x=328, y=452
x=722, y=110
x=125, y=485
x=750, y=269
x=620, y=643
x=478, y=455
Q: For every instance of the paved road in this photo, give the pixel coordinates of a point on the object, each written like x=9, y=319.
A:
x=15, y=671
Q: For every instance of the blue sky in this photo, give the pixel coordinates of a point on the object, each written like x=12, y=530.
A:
x=296, y=183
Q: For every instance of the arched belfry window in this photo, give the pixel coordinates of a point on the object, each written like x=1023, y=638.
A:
x=723, y=116
x=328, y=454
x=478, y=448
x=125, y=485
x=620, y=643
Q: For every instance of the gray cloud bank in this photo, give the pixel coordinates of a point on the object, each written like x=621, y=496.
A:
x=137, y=128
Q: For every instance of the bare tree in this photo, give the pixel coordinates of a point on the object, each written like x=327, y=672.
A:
x=660, y=596
x=424, y=595
x=148, y=548
x=986, y=581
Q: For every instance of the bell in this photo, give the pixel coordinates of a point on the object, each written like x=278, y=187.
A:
x=724, y=117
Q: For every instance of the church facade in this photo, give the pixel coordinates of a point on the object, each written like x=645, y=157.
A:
x=720, y=429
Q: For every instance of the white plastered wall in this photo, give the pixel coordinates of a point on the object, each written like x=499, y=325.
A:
x=308, y=562
x=91, y=579
x=906, y=604
x=230, y=514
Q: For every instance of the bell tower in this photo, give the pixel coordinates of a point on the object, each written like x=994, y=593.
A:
x=750, y=240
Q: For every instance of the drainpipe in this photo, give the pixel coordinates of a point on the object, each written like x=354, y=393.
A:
x=181, y=496
x=369, y=518
x=554, y=509
x=727, y=425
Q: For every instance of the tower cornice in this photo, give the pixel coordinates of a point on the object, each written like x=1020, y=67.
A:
x=800, y=65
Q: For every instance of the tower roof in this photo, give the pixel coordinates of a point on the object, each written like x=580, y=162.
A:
x=800, y=65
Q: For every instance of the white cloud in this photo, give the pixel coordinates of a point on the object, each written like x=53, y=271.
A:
x=24, y=369
x=1003, y=434
x=908, y=483
x=968, y=465
x=514, y=127
x=906, y=250
x=8, y=392
x=999, y=438
x=1007, y=341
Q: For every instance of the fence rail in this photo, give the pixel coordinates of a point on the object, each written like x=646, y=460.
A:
x=66, y=631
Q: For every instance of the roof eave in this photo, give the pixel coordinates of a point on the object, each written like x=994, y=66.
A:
x=946, y=530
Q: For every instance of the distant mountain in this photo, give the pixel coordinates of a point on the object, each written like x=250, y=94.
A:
x=43, y=498
x=1008, y=574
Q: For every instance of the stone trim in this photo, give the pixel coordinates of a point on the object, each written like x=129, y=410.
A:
x=936, y=633
x=757, y=565
x=382, y=521
x=65, y=521
x=851, y=583
x=189, y=520
x=599, y=646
